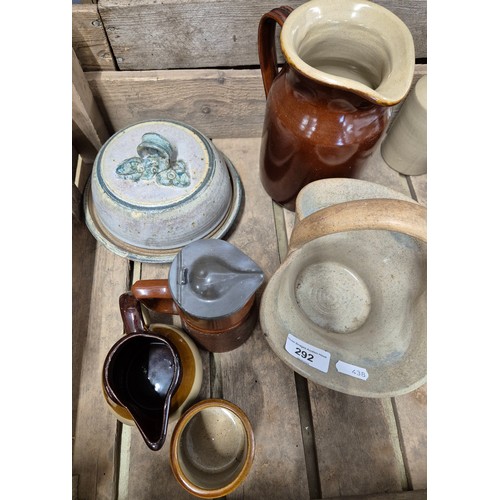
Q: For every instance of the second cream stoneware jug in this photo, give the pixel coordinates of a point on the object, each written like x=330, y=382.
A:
x=346, y=63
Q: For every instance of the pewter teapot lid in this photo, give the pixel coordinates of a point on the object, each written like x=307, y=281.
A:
x=212, y=278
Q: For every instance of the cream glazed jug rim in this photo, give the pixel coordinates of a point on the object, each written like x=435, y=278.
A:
x=391, y=30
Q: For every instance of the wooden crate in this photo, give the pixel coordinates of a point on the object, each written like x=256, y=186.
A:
x=197, y=62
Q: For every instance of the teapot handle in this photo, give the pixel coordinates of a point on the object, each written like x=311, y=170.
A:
x=130, y=310
x=155, y=295
x=267, y=47
x=411, y=219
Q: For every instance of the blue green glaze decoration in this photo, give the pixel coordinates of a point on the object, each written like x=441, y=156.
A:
x=156, y=161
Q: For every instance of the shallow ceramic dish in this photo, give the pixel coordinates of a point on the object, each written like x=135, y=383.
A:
x=347, y=308
x=212, y=448
x=191, y=379
x=157, y=186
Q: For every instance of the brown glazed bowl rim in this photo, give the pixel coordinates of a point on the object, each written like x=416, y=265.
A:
x=175, y=441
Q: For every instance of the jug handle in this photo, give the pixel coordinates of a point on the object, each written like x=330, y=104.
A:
x=155, y=295
x=131, y=313
x=266, y=41
x=362, y=214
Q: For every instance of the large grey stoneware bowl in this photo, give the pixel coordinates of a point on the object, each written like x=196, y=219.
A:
x=347, y=307
x=157, y=186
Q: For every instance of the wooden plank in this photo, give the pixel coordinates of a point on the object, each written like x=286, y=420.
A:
x=167, y=34
x=86, y=149
x=355, y=441
x=88, y=123
x=220, y=103
x=95, y=438
x=227, y=103
x=83, y=256
x=89, y=39
x=403, y=495
x=411, y=415
x=252, y=376
x=150, y=476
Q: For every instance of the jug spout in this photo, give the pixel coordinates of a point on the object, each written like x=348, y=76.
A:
x=353, y=45
x=213, y=279
x=141, y=372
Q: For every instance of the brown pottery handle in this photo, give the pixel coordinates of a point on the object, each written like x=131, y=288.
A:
x=266, y=41
x=155, y=295
x=130, y=309
x=392, y=215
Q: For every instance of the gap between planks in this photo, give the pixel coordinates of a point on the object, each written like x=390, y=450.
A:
x=125, y=431
x=303, y=401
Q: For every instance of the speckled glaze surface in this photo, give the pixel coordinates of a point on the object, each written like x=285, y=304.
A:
x=355, y=290
x=158, y=185
x=212, y=448
x=405, y=147
x=347, y=62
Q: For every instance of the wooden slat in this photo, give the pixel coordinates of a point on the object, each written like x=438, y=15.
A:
x=403, y=495
x=163, y=34
x=252, y=376
x=220, y=103
x=356, y=442
x=89, y=129
x=411, y=415
x=95, y=431
x=83, y=256
x=89, y=39
x=226, y=103
x=150, y=475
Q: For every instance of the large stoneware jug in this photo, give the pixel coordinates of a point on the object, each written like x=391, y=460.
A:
x=346, y=63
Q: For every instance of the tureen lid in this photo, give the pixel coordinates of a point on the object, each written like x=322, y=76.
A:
x=154, y=164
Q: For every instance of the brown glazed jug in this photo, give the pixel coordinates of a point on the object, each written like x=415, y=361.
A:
x=141, y=372
x=346, y=63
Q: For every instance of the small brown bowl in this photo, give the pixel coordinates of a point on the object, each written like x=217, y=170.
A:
x=212, y=448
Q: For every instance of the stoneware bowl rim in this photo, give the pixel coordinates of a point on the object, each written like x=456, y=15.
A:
x=175, y=442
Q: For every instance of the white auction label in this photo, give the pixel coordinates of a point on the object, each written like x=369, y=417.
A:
x=352, y=370
x=312, y=356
